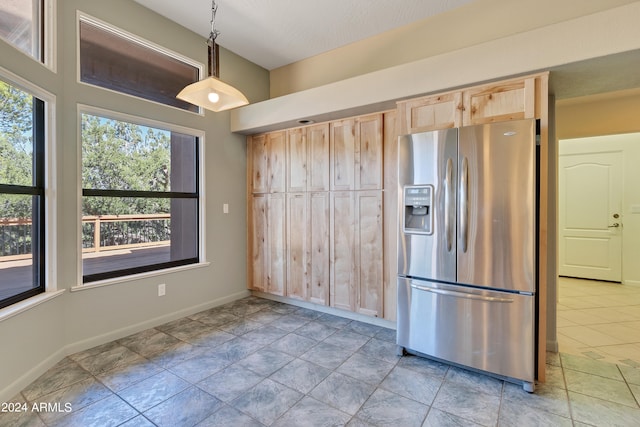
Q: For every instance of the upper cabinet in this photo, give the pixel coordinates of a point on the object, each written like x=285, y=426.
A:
x=267, y=157
x=356, y=153
x=308, y=158
x=512, y=99
x=441, y=111
x=499, y=102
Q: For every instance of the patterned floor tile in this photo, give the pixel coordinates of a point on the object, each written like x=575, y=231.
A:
x=229, y=383
x=186, y=408
x=389, y=409
x=342, y=392
x=301, y=375
x=267, y=401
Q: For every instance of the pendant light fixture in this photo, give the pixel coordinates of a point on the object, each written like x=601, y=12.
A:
x=212, y=93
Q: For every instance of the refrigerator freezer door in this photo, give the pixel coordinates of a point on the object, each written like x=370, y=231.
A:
x=497, y=205
x=428, y=164
x=487, y=330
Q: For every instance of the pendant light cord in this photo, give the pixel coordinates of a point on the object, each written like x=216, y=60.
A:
x=211, y=41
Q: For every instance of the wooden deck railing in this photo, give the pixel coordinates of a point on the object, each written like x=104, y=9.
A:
x=99, y=233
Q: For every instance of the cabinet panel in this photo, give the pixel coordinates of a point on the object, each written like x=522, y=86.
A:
x=431, y=113
x=510, y=100
x=259, y=159
x=342, y=143
x=297, y=160
x=390, y=215
x=369, y=153
x=368, y=249
x=276, y=143
x=259, y=259
x=318, y=162
x=297, y=235
x=318, y=248
x=342, y=255
x=276, y=219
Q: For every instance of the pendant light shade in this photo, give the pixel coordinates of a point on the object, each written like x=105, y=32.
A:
x=212, y=93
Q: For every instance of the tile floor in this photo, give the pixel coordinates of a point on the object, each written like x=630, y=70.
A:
x=256, y=362
x=599, y=320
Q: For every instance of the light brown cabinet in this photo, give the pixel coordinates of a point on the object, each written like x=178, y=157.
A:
x=318, y=248
x=267, y=238
x=308, y=158
x=498, y=102
x=356, y=251
x=442, y=111
x=494, y=102
x=308, y=247
x=356, y=153
x=304, y=239
x=297, y=245
x=267, y=162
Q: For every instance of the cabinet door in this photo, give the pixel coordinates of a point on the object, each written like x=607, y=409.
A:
x=297, y=238
x=431, y=113
x=259, y=244
x=368, y=155
x=342, y=255
x=318, y=161
x=510, y=100
x=276, y=218
x=277, y=144
x=259, y=163
x=318, y=248
x=342, y=145
x=368, y=251
x=296, y=160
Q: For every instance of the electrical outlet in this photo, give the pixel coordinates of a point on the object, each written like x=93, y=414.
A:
x=162, y=288
x=225, y=208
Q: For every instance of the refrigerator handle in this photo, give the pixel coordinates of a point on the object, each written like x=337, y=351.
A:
x=458, y=294
x=464, y=203
x=448, y=200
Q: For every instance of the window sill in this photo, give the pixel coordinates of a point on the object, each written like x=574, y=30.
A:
x=22, y=306
x=140, y=276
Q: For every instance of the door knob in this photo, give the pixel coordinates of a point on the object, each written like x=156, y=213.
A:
x=615, y=224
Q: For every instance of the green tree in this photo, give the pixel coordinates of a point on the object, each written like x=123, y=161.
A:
x=16, y=148
x=117, y=155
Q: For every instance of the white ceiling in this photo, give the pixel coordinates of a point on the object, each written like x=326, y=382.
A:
x=273, y=33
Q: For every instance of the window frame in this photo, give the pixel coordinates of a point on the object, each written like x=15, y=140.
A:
x=153, y=269
x=44, y=175
x=47, y=34
x=84, y=17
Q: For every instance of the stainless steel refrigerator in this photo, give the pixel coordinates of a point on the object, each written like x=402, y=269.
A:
x=467, y=247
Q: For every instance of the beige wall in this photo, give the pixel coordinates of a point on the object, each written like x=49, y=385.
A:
x=472, y=24
x=34, y=340
x=611, y=113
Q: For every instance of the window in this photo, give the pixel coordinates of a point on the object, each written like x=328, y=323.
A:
x=22, y=213
x=111, y=59
x=140, y=198
x=21, y=24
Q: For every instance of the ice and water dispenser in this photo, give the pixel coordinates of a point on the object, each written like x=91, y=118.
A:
x=418, y=215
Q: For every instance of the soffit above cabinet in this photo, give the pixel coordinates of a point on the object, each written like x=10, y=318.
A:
x=566, y=49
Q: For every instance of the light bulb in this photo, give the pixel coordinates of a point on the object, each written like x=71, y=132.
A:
x=213, y=97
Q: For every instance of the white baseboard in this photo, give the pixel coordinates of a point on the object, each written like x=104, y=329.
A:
x=132, y=329
x=32, y=374
x=330, y=310
x=632, y=282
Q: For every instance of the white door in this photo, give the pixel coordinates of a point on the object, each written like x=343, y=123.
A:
x=590, y=201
